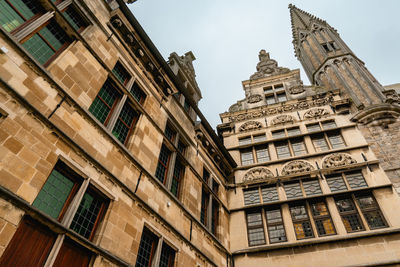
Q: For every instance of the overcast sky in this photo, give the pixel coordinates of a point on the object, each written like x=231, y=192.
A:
x=226, y=35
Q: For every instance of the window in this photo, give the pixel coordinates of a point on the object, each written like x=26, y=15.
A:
x=293, y=131
x=245, y=140
x=276, y=229
x=255, y=229
x=330, y=46
x=171, y=157
x=214, y=216
x=303, y=187
x=121, y=73
x=33, y=242
x=328, y=140
x=286, y=132
x=262, y=153
x=348, y=180
x=278, y=134
x=371, y=211
x=35, y=28
x=322, y=218
x=206, y=175
x=246, y=157
x=252, y=195
x=248, y=139
x=138, y=93
x=348, y=212
x=209, y=212
x=149, y=250
x=275, y=94
x=313, y=127
x=259, y=138
x=114, y=110
x=205, y=197
x=301, y=221
x=289, y=148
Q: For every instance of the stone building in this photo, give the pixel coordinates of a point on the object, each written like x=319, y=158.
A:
x=106, y=159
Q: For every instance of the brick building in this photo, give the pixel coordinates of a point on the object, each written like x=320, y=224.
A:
x=106, y=159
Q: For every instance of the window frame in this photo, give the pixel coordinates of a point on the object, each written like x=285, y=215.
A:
x=274, y=92
x=210, y=206
x=289, y=143
x=259, y=226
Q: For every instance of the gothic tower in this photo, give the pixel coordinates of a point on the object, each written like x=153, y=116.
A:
x=330, y=63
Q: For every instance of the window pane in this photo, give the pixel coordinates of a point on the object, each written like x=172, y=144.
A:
x=371, y=211
x=293, y=131
x=10, y=19
x=251, y=196
x=87, y=215
x=313, y=127
x=206, y=175
x=167, y=256
x=245, y=140
x=170, y=133
x=73, y=17
x=276, y=229
x=215, y=216
x=104, y=102
x=298, y=147
x=282, y=150
x=278, y=86
x=138, y=93
x=270, y=99
x=262, y=154
x=293, y=190
x=124, y=124
x=163, y=162
x=255, y=229
x=336, y=140
x=278, y=134
x=268, y=89
x=147, y=247
x=259, y=138
x=269, y=194
x=356, y=180
x=54, y=193
x=54, y=35
x=336, y=183
x=322, y=218
x=121, y=73
x=301, y=222
x=204, y=206
x=349, y=214
x=247, y=157
x=179, y=171
x=281, y=97
x=319, y=143
x=311, y=187
x=38, y=49
x=328, y=125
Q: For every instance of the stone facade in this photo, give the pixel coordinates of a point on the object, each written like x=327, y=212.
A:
x=106, y=159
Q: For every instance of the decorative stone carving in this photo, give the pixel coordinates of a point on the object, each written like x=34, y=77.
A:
x=250, y=125
x=235, y=107
x=282, y=119
x=267, y=67
x=254, y=99
x=337, y=160
x=257, y=174
x=297, y=166
x=297, y=88
x=315, y=113
x=300, y=105
x=392, y=97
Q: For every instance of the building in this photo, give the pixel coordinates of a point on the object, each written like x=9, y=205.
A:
x=106, y=159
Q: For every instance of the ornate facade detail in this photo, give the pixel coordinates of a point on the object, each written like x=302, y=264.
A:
x=392, y=97
x=254, y=99
x=297, y=166
x=337, y=160
x=267, y=67
x=296, y=89
x=315, y=113
x=235, y=107
x=257, y=174
x=283, y=119
x=300, y=105
x=250, y=125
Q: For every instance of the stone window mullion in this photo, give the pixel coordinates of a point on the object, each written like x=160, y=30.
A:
x=171, y=169
x=116, y=112
x=157, y=254
x=69, y=215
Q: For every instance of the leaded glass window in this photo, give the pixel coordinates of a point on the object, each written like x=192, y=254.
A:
x=147, y=248
x=270, y=99
x=313, y=127
x=282, y=150
x=138, y=93
x=87, y=216
x=167, y=256
x=105, y=102
x=251, y=196
x=336, y=140
x=371, y=211
x=259, y=138
x=163, y=164
x=312, y=187
x=298, y=146
x=319, y=142
x=247, y=157
x=348, y=212
x=121, y=73
x=255, y=229
x=336, y=183
x=293, y=190
x=276, y=229
x=262, y=154
x=205, y=198
x=355, y=180
x=125, y=122
x=245, y=140
x=301, y=221
x=328, y=125
x=75, y=19
x=14, y=13
x=179, y=172
x=214, y=216
x=322, y=218
x=170, y=133
x=293, y=131
x=278, y=134
x=269, y=194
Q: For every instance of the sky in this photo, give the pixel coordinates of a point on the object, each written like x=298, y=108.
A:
x=226, y=36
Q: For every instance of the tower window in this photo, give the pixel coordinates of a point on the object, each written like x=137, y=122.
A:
x=330, y=46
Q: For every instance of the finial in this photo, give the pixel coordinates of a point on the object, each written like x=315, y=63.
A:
x=291, y=6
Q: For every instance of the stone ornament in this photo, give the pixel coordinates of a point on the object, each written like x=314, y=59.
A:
x=295, y=90
x=392, y=97
x=250, y=125
x=282, y=119
x=315, y=113
x=297, y=166
x=257, y=174
x=254, y=99
x=235, y=107
x=337, y=160
x=267, y=67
